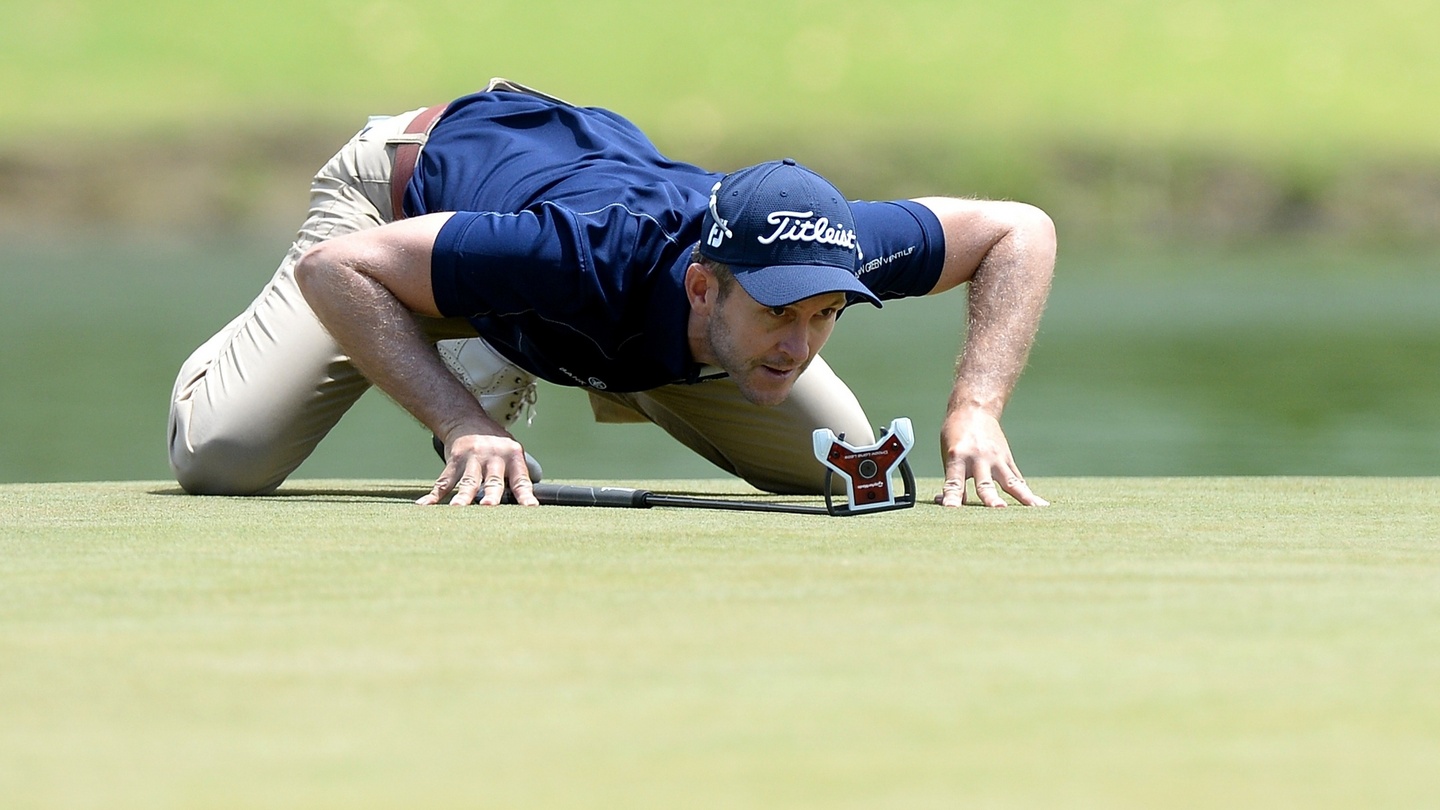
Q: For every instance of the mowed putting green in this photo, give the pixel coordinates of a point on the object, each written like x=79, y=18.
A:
x=1203, y=642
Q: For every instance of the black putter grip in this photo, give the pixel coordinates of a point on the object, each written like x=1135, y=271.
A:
x=569, y=495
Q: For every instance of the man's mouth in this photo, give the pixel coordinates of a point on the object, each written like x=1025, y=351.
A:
x=779, y=372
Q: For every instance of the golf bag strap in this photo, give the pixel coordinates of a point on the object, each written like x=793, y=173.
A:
x=407, y=154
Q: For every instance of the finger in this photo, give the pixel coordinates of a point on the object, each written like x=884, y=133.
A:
x=523, y=490
x=432, y=497
x=987, y=491
x=442, y=488
x=492, y=488
x=520, y=485
x=469, y=484
x=465, y=491
x=952, y=493
x=492, y=491
x=1017, y=488
x=518, y=474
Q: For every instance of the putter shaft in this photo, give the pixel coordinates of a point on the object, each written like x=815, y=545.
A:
x=627, y=498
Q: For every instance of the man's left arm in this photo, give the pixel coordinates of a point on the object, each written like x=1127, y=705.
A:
x=367, y=288
x=1005, y=251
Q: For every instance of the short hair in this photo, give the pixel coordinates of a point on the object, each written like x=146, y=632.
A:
x=724, y=276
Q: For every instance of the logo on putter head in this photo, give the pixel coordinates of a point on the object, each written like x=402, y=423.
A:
x=869, y=472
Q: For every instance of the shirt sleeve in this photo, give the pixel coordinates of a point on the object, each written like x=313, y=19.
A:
x=903, y=247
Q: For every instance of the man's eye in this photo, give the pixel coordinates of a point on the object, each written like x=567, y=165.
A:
x=778, y=312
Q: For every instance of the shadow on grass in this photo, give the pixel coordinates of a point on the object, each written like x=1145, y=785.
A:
x=359, y=493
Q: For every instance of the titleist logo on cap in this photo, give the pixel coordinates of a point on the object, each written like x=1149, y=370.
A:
x=804, y=226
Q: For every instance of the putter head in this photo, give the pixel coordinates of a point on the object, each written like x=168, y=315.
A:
x=869, y=471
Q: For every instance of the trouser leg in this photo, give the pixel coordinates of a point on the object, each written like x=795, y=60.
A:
x=252, y=402
x=770, y=447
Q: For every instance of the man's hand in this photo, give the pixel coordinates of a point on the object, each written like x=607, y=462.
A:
x=974, y=446
x=478, y=469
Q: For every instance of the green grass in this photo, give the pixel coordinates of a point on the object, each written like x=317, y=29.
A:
x=1272, y=79
x=1144, y=643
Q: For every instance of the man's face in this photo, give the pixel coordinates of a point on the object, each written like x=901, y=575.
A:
x=764, y=349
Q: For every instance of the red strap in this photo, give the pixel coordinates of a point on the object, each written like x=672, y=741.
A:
x=406, y=155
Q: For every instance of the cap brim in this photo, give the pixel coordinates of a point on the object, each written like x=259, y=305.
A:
x=781, y=285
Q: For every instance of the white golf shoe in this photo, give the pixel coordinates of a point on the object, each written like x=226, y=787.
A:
x=504, y=389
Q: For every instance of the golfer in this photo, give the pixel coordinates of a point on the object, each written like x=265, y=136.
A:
x=529, y=238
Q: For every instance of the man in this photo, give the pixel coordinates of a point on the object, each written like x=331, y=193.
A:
x=556, y=241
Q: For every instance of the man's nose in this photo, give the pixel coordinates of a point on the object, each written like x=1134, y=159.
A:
x=795, y=343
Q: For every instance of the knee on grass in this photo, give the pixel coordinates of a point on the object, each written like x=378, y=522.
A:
x=218, y=467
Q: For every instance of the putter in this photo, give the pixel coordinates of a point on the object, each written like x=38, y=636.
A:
x=868, y=472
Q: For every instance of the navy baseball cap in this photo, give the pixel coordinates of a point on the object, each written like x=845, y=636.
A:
x=785, y=232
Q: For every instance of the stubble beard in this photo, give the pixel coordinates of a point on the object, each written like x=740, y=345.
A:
x=742, y=369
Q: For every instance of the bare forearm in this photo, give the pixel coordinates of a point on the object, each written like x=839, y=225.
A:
x=1005, y=252
x=384, y=342
x=1006, y=299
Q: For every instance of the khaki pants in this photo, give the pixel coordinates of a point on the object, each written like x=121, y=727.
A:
x=253, y=402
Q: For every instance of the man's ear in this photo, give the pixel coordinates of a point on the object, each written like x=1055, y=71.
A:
x=701, y=288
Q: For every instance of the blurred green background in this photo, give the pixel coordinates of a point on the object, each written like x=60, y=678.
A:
x=1248, y=197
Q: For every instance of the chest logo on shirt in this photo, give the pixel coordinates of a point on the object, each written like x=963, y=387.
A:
x=594, y=382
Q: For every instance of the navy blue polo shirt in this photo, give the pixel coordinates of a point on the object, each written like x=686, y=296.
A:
x=572, y=235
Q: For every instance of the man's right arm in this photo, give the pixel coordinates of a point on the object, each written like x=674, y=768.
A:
x=366, y=288
x=1005, y=252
